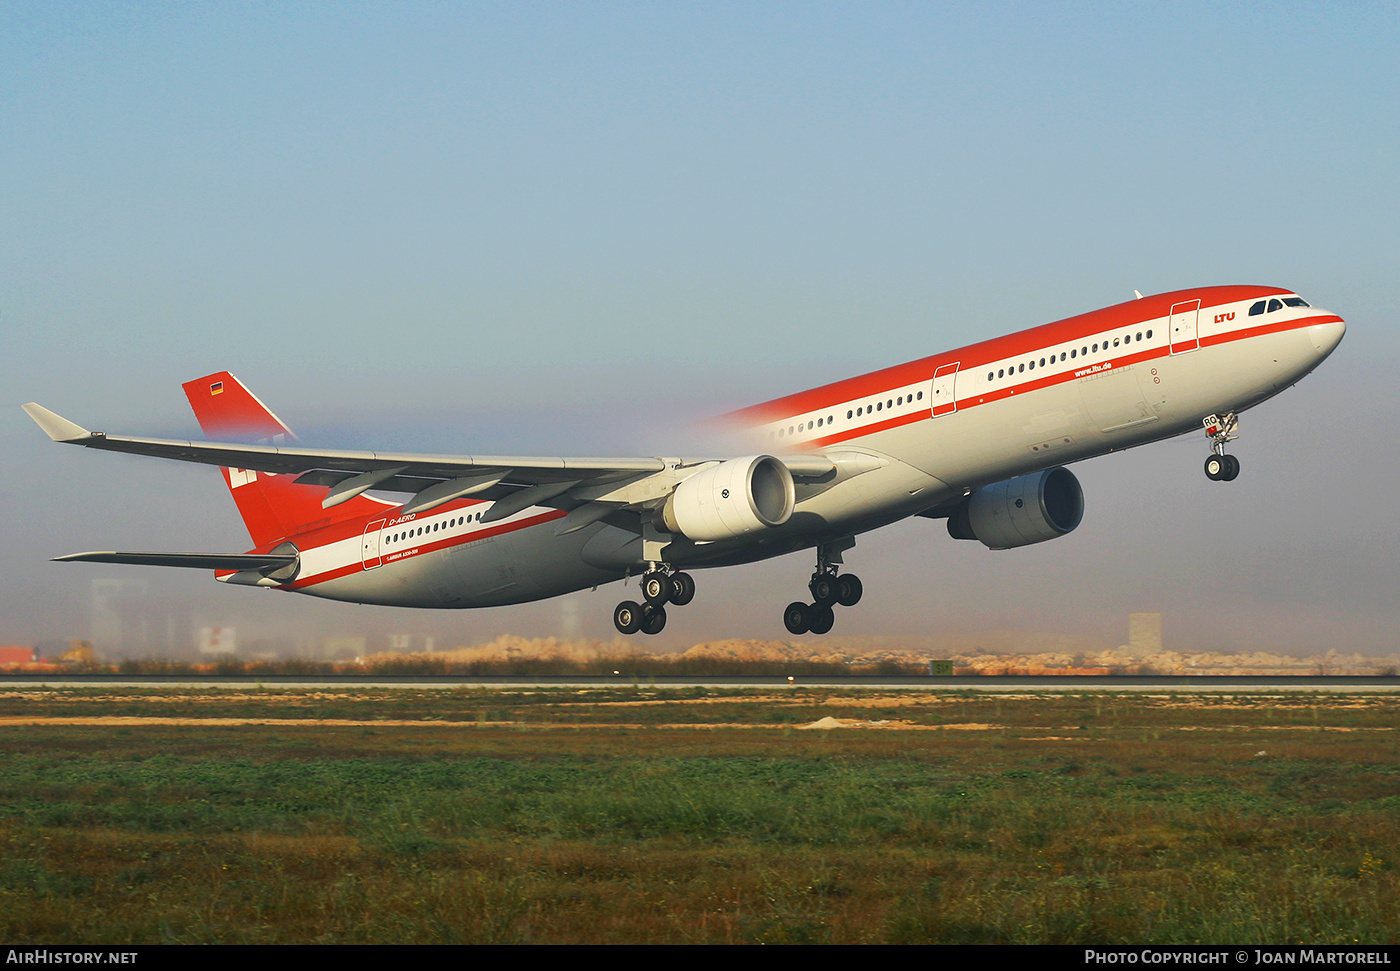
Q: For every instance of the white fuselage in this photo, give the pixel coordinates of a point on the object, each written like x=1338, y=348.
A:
x=904, y=440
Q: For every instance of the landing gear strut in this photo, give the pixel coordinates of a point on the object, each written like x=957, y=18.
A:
x=1219, y=466
x=828, y=589
x=658, y=589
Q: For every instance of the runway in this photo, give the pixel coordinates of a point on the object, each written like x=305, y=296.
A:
x=1182, y=684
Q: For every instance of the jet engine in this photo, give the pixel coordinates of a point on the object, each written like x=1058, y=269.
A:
x=730, y=499
x=1021, y=511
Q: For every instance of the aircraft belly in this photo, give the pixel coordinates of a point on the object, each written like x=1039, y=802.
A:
x=529, y=564
x=1004, y=438
x=516, y=567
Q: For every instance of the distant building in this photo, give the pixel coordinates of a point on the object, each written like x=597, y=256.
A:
x=120, y=620
x=218, y=641
x=16, y=654
x=1145, y=633
x=126, y=621
x=411, y=643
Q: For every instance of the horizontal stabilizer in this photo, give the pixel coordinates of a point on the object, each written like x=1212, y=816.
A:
x=57, y=427
x=196, y=561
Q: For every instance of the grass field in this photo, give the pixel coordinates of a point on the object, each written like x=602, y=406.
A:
x=633, y=814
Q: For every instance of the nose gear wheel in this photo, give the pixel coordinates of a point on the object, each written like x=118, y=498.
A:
x=1219, y=466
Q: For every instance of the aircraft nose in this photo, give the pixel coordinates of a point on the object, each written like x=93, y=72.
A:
x=1326, y=337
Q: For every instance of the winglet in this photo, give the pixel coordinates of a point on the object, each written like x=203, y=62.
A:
x=57, y=427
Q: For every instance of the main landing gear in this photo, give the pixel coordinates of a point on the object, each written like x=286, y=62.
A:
x=828, y=589
x=1221, y=467
x=658, y=589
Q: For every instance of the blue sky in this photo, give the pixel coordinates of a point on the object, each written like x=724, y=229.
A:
x=572, y=227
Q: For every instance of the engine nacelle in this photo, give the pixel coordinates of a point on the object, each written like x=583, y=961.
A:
x=1021, y=511
x=731, y=499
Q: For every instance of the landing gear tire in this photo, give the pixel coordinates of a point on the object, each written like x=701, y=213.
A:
x=656, y=588
x=1216, y=468
x=824, y=590
x=653, y=619
x=795, y=618
x=849, y=590
x=1232, y=468
x=820, y=618
x=682, y=589
x=627, y=617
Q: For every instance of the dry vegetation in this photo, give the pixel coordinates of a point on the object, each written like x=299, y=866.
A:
x=992, y=653
x=628, y=814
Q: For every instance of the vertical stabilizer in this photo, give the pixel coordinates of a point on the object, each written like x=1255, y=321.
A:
x=273, y=507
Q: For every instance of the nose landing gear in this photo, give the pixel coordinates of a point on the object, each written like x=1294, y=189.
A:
x=1219, y=466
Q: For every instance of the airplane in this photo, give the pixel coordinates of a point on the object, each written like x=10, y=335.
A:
x=979, y=436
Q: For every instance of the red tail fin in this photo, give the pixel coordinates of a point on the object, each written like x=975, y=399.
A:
x=273, y=507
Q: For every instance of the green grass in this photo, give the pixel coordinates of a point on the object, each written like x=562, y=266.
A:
x=1081, y=819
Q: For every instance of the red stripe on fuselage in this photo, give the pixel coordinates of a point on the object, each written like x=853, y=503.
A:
x=878, y=383
x=1272, y=328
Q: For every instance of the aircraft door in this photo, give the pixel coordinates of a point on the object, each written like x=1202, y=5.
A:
x=370, y=545
x=942, y=399
x=1182, y=327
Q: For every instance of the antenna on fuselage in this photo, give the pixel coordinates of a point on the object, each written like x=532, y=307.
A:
x=1138, y=294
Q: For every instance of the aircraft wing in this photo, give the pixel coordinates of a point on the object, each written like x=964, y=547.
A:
x=514, y=482
x=197, y=561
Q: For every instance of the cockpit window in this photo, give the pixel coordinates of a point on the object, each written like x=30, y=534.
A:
x=1296, y=302
x=1257, y=308
x=1275, y=305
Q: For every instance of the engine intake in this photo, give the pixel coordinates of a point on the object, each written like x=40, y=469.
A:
x=731, y=499
x=1021, y=511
